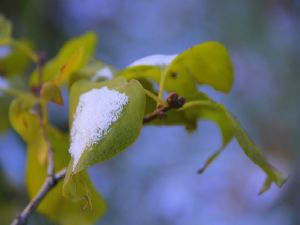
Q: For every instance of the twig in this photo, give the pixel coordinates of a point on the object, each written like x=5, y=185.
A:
x=43, y=117
x=160, y=113
x=49, y=183
x=173, y=102
x=52, y=178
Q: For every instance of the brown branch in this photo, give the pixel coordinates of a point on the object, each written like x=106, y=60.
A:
x=49, y=183
x=159, y=113
x=52, y=178
x=174, y=102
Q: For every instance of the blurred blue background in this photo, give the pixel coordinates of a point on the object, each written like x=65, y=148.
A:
x=155, y=180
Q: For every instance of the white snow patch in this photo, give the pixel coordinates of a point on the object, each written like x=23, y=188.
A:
x=105, y=72
x=4, y=84
x=5, y=50
x=96, y=111
x=154, y=60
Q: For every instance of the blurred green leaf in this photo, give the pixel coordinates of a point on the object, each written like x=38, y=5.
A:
x=4, y=108
x=51, y=92
x=123, y=131
x=5, y=28
x=54, y=205
x=16, y=61
x=25, y=120
x=67, y=52
x=71, y=65
x=95, y=71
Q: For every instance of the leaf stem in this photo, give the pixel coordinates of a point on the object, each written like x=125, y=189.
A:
x=173, y=102
x=52, y=178
x=197, y=103
x=155, y=98
x=162, y=83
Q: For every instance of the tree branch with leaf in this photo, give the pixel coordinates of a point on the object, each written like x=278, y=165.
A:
x=107, y=110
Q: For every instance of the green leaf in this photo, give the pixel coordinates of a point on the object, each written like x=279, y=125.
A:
x=5, y=28
x=54, y=205
x=73, y=64
x=230, y=127
x=142, y=72
x=71, y=55
x=206, y=109
x=25, y=120
x=16, y=61
x=254, y=153
x=123, y=131
x=4, y=107
x=208, y=63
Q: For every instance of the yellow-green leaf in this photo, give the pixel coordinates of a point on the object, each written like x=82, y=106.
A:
x=254, y=153
x=230, y=128
x=142, y=72
x=94, y=71
x=25, y=120
x=71, y=48
x=16, y=61
x=72, y=65
x=5, y=28
x=4, y=106
x=58, y=208
x=208, y=63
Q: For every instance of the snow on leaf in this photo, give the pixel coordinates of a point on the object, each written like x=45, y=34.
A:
x=154, y=60
x=105, y=72
x=96, y=111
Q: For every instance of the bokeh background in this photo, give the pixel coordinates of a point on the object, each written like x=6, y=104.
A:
x=155, y=180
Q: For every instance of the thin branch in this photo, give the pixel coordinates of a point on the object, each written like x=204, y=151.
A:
x=173, y=102
x=52, y=178
x=49, y=183
x=155, y=98
x=50, y=170
x=43, y=115
x=159, y=113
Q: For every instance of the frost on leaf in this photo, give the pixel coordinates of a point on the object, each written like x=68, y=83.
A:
x=105, y=73
x=95, y=113
x=154, y=60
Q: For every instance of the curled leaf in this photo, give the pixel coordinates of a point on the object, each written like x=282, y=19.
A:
x=230, y=128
